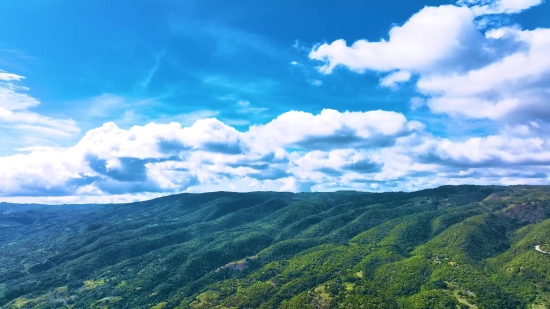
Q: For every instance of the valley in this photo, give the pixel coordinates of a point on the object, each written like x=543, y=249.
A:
x=449, y=247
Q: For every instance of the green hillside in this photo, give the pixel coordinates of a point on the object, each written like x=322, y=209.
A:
x=450, y=247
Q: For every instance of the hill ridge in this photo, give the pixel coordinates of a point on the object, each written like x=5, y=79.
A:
x=423, y=249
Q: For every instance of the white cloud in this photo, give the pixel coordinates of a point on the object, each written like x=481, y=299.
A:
x=104, y=105
x=297, y=151
x=15, y=114
x=417, y=103
x=492, y=151
x=501, y=75
x=5, y=76
x=429, y=40
x=315, y=82
x=83, y=199
x=36, y=148
x=515, y=88
x=127, y=112
x=485, y=7
x=394, y=78
x=245, y=107
x=39, y=123
x=191, y=117
x=331, y=129
x=11, y=98
x=44, y=130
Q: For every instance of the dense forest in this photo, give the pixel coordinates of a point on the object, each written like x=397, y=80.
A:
x=449, y=247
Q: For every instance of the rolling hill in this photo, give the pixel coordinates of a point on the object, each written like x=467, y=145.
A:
x=449, y=247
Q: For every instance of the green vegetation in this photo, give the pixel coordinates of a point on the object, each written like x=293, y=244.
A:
x=449, y=247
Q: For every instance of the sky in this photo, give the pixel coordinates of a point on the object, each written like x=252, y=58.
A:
x=118, y=101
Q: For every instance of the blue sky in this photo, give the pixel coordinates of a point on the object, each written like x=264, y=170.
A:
x=186, y=55
x=72, y=69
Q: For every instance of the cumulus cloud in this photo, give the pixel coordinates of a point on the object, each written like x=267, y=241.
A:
x=431, y=39
x=515, y=88
x=331, y=130
x=435, y=40
x=297, y=151
x=493, y=151
x=502, y=74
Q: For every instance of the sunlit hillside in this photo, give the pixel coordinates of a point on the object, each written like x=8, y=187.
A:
x=450, y=247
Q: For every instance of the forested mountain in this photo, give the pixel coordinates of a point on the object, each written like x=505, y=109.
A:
x=449, y=247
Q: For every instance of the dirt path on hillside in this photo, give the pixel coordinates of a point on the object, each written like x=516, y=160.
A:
x=537, y=247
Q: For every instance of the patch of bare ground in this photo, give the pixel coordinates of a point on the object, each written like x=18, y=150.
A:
x=532, y=212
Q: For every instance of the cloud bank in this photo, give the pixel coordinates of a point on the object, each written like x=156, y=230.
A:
x=297, y=151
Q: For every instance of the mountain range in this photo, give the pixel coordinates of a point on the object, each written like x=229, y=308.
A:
x=450, y=247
